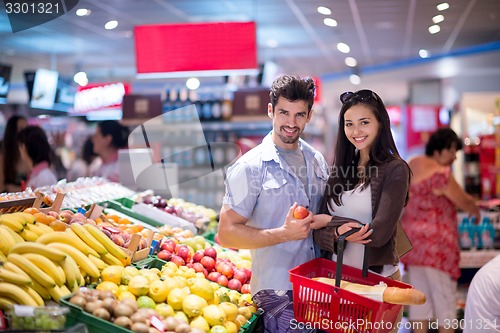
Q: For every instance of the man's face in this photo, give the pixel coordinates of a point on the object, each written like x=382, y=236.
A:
x=289, y=120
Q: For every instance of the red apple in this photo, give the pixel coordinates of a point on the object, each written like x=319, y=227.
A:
x=213, y=276
x=245, y=289
x=177, y=260
x=300, y=212
x=240, y=275
x=189, y=265
x=198, y=267
x=248, y=272
x=198, y=255
x=227, y=270
x=165, y=255
x=234, y=284
x=222, y=280
x=210, y=251
x=183, y=252
x=208, y=263
x=168, y=245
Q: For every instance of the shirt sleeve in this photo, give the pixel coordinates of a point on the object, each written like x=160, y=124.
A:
x=242, y=189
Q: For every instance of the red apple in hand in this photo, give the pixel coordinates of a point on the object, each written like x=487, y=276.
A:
x=300, y=213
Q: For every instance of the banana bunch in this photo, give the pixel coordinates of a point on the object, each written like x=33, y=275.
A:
x=34, y=273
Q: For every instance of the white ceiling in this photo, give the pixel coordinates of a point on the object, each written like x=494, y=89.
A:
x=378, y=32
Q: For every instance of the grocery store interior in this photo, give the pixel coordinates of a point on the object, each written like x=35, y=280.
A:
x=189, y=80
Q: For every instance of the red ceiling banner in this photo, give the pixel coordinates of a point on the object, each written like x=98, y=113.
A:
x=178, y=48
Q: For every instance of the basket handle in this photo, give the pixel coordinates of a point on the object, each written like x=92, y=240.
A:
x=340, y=256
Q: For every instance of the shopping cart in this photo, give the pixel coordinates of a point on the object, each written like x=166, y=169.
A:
x=332, y=309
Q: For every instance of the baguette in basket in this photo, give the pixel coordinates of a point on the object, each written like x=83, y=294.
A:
x=393, y=295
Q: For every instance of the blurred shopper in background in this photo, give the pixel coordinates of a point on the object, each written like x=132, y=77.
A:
x=82, y=166
x=367, y=189
x=430, y=219
x=109, y=137
x=482, y=307
x=14, y=169
x=263, y=188
x=35, y=150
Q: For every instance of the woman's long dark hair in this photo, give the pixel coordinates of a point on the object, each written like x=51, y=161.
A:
x=36, y=143
x=10, y=149
x=118, y=132
x=344, y=175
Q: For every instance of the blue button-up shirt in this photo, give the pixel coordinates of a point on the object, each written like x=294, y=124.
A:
x=261, y=187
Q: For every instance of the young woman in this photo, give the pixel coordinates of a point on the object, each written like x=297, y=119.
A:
x=14, y=169
x=35, y=150
x=367, y=188
x=109, y=137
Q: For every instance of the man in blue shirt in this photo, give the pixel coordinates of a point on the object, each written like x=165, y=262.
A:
x=262, y=190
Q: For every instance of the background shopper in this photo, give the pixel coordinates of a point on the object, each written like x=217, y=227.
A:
x=109, y=137
x=430, y=220
x=482, y=307
x=280, y=172
x=367, y=188
x=35, y=150
x=14, y=169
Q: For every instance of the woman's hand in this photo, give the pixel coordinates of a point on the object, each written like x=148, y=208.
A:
x=360, y=236
x=320, y=221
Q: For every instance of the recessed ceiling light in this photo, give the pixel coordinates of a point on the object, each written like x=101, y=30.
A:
x=343, y=47
x=111, y=25
x=81, y=78
x=355, y=79
x=324, y=10
x=434, y=29
x=193, y=83
x=423, y=53
x=330, y=22
x=438, y=19
x=443, y=6
x=83, y=12
x=351, y=62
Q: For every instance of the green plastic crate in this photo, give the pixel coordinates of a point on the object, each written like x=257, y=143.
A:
x=149, y=262
x=116, y=205
x=251, y=324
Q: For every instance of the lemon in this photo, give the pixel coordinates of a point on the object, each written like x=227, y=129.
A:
x=214, y=315
x=231, y=327
x=128, y=273
x=175, y=297
x=241, y=320
x=112, y=273
x=218, y=329
x=138, y=285
x=158, y=291
x=164, y=310
x=108, y=285
x=202, y=287
x=181, y=316
x=245, y=311
x=192, y=305
x=230, y=309
x=126, y=294
x=146, y=302
x=201, y=323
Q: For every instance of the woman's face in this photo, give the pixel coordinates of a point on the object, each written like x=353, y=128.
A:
x=361, y=127
x=100, y=142
x=446, y=156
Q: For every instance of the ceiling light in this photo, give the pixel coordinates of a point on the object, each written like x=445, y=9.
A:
x=193, y=83
x=438, y=19
x=83, y=12
x=81, y=78
x=355, y=79
x=423, y=53
x=111, y=25
x=434, y=29
x=330, y=22
x=324, y=10
x=351, y=62
x=443, y=6
x=343, y=47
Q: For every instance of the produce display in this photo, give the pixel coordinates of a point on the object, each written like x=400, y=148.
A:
x=49, y=256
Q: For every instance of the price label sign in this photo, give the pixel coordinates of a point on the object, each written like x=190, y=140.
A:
x=26, y=14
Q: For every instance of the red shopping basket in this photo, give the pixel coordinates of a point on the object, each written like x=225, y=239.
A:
x=333, y=309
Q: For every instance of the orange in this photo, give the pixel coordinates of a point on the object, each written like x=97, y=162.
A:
x=31, y=210
x=42, y=218
x=108, y=285
x=123, y=220
x=112, y=273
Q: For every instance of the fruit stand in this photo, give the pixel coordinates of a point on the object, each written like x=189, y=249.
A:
x=105, y=267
